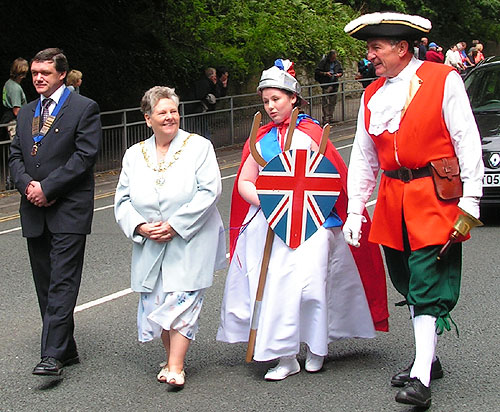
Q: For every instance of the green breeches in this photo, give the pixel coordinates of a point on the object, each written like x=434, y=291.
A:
x=431, y=286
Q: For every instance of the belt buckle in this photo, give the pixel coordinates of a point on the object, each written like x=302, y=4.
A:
x=405, y=174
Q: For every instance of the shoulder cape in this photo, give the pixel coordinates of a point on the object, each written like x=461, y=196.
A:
x=367, y=257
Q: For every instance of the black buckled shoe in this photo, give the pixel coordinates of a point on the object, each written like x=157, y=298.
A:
x=415, y=393
x=401, y=378
x=48, y=366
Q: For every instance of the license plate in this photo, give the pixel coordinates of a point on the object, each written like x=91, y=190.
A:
x=491, y=180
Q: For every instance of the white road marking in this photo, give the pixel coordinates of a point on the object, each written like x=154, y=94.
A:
x=14, y=229
x=344, y=147
x=104, y=299
x=127, y=291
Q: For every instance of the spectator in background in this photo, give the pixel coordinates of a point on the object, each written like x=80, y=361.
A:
x=422, y=48
x=435, y=53
x=416, y=43
x=366, y=72
x=74, y=80
x=222, y=81
x=479, y=53
x=472, y=54
x=461, y=46
x=454, y=59
x=204, y=91
x=474, y=44
x=327, y=73
x=13, y=98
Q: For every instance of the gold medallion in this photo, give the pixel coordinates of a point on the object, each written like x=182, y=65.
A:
x=35, y=126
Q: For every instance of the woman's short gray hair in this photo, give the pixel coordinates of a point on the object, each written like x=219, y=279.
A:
x=155, y=94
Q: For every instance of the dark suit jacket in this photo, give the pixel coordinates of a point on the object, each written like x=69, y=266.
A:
x=63, y=165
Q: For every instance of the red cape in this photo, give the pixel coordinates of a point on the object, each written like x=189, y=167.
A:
x=367, y=257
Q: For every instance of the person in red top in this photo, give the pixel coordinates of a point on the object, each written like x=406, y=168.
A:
x=479, y=56
x=417, y=112
x=435, y=53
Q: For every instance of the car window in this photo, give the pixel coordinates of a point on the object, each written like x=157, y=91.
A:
x=483, y=88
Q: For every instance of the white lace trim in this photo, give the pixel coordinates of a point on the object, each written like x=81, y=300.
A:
x=388, y=102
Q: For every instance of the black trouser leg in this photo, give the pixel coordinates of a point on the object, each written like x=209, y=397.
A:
x=57, y=280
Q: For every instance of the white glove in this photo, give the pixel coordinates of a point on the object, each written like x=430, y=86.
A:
x=352, y=229
x=470, y=205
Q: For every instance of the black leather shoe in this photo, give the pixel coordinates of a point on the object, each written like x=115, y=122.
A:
x=401, y=378
x=48, y=366
x=415, y=393
x=72, y=360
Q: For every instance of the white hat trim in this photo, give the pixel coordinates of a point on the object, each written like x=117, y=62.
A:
x=392, y=18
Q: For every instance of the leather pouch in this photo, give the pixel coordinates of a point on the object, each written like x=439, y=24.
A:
x=446, y=177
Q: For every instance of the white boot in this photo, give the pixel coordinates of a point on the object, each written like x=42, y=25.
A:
x=287, y=366
x=313, y=362
x=425, y=346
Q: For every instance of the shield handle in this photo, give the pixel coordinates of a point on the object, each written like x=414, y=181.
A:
x=324, y=139
x=291, y=128
x=253, y=137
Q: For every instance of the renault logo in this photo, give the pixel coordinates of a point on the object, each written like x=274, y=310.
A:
x=494, y=160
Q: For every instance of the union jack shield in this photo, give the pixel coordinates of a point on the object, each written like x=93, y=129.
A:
x=297, y=190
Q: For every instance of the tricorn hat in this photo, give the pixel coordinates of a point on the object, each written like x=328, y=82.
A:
x=388, y=25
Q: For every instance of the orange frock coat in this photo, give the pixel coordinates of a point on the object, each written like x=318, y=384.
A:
x=422, y=137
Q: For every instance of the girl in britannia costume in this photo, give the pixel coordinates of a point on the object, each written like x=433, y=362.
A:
x=314, y=294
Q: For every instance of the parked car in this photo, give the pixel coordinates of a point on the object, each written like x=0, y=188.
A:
x=483, y=87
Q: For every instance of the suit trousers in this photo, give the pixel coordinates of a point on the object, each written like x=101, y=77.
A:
x=57, y=262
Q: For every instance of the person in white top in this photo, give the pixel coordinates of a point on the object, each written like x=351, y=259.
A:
x=454, y=59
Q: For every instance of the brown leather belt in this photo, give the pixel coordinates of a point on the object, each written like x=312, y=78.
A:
x=406, y=175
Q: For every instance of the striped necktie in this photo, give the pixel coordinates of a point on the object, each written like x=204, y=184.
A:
x=45, y=109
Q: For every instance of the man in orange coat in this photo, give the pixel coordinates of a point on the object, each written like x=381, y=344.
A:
x=415, y=113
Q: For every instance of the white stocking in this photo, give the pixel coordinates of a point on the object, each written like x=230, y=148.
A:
x=425, y=345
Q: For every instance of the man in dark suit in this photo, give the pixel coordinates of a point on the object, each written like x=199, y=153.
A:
x=51, y=163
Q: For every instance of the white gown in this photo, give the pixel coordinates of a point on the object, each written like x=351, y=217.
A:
x=313, y=294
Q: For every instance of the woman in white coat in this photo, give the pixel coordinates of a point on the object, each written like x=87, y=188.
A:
x=165, y=203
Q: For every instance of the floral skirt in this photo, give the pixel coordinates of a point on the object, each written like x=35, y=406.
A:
x=159, y=310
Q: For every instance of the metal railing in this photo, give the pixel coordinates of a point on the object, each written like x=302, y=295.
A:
x=228, y=125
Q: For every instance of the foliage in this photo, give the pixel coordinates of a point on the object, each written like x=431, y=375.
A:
x=124, y=47
x=462, y=20
x=248, y=36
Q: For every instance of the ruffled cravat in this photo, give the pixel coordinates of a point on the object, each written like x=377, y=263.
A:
x=387, y=104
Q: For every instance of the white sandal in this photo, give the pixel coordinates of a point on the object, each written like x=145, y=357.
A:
x=163, y=374
x=176, y=379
